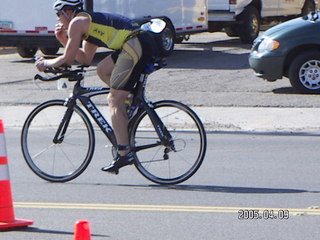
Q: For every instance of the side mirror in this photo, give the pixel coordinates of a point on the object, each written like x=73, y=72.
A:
x=155, y=25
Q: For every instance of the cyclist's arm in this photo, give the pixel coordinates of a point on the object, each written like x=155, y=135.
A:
x=73, y=51
x=86, y=54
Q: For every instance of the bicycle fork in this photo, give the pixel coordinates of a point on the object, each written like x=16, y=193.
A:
x=59, y=136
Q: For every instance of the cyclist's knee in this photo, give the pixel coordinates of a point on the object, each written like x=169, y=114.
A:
x=116, y=98
x=104, y=70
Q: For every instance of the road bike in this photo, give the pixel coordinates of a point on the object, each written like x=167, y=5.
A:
x=167, y=138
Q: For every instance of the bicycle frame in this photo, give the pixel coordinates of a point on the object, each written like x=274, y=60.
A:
x=84, y=94
x=140, y=99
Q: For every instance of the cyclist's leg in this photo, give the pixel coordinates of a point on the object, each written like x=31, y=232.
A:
x=122, y=82
x=105, y=67
x=119, y=117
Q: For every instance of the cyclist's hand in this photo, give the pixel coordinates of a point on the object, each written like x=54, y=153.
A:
x=41, y=64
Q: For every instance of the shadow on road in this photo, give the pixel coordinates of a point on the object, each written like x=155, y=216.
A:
x=38, y=230
x=225, y=189
x=205, y=59
x=229, y=43
x=208, y=55
x=207, y=188
x=291, y=90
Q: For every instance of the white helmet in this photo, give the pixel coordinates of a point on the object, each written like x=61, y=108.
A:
x=59, y=4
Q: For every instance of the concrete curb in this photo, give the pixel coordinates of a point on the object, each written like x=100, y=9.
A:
x=261, y=119
x=218, y=118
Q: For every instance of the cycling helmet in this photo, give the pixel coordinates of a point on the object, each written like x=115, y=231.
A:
x=59, y=4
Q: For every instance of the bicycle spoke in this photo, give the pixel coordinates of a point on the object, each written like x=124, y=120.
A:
x=42, y=151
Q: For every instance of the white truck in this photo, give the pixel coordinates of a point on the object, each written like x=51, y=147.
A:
x=29, y=26
x=244, y=18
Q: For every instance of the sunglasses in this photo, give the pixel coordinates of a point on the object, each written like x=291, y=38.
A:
x=60, y=12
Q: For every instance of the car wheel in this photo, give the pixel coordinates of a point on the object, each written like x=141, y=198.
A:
x=27, y=52
x=49, y=51
x=231, y=31
x=304, y=72
x=166, y=40
x=249, y=29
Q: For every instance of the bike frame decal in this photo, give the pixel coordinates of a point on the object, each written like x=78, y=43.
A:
x=100, y=120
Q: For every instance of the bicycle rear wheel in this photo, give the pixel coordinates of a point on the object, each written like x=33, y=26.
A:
x=62, y=161
x=159, y=163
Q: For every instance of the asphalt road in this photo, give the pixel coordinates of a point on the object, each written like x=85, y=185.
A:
x=209, y=70
x=265, y=173
x=241, y=171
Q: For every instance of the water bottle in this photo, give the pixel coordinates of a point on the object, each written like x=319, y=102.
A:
x=62, y=84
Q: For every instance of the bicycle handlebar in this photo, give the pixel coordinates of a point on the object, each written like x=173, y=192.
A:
x=78, y=73
x=63, y=72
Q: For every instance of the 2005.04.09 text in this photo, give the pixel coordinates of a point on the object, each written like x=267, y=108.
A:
x=248, y=214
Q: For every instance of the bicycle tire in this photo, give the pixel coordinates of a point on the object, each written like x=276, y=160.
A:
x=57, y=162
x=189, y=138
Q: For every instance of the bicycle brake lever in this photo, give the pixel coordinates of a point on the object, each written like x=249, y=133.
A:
x=34, y=81
x=38, y=76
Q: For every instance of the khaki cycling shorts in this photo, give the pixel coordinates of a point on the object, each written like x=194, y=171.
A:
x=123, y=76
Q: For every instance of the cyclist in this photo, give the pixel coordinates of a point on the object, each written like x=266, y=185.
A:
x=120, y=70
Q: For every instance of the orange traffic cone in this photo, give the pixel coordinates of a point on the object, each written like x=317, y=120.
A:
x=7, y=219
x=82, y=230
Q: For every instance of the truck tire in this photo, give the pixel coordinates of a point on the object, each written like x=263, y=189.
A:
x=304, y=72
x=249, y=27
x=308, y=7
x=27, y=52
x=231, y=31
x=49, y=51
x=166, y=40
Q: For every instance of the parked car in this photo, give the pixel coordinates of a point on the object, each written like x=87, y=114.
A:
x=292, y=50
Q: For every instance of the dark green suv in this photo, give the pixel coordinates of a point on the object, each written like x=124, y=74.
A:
x=292, y=50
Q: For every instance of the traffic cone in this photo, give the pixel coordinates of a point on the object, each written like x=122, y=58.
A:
x=82, y=230
x=7, y=219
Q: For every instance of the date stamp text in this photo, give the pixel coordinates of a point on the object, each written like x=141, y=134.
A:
x=252, y=214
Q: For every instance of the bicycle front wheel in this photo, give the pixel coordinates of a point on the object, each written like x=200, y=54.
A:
x=169, y=165
x=51, y=160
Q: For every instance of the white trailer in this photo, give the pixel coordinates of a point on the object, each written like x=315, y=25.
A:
x=29, y=25
x=183, y=17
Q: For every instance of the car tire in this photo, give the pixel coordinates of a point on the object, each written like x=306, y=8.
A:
x=166, y=40
x=27, y=52
x=231, y=31
x=49, y=51
x=249, y=29
x=304, y=72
